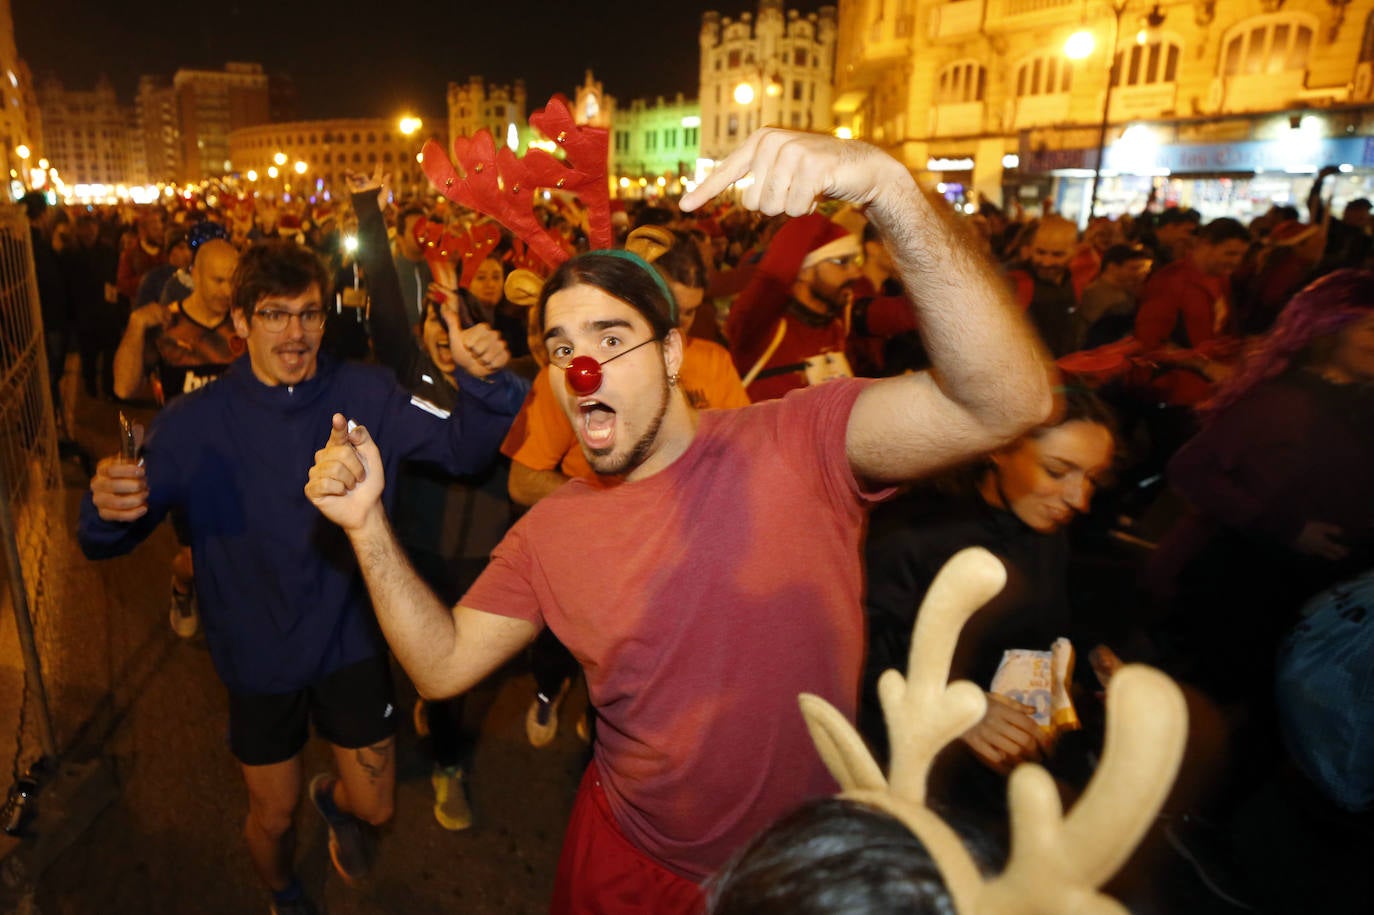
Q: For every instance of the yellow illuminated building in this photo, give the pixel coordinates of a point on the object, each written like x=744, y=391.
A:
x=1223, y=105
x=774, y=69
x=474, y=105
x=312, y=157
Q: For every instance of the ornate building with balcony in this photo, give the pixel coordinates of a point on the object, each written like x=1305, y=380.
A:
x=1223, y=105
x=771, y=70
x=87, y=134
x=20, y=123
x=474, y=105
x=655, y=140
x=327, y=150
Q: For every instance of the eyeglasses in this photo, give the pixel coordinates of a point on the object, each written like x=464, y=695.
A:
x=275, y=321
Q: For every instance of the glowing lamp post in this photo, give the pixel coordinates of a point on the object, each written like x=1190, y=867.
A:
x=1080, y=46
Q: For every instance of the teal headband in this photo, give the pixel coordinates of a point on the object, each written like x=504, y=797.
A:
x=648, y=268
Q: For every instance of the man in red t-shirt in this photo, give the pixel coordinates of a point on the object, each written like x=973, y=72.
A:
x=695, y=676
x=1185, y=306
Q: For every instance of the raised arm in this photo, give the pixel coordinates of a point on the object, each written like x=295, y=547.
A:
x=444, y=651
x=991, y=378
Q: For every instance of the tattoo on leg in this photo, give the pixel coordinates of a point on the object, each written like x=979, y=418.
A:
x=375, y=760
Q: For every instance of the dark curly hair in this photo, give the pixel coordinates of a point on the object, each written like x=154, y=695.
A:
x=277, y=268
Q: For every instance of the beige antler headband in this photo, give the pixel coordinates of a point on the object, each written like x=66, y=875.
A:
x=1057, y=862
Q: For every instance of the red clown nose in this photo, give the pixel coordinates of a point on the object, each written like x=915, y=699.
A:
x=584, y=373
x=584, y=376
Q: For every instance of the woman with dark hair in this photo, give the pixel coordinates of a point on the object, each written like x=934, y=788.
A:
x=1279, y=484
x=1017, y=503
x=487, y=304
x=832, y=856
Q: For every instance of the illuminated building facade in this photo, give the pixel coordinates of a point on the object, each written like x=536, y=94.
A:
x=327, y=150
x=655, y=144
x=1222, y=105
x=775, y=69
x=20, y=125
x=474, y=105
x=211, y=104
x=155, y=109
x=87, y=135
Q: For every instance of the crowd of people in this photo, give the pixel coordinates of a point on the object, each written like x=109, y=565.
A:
x=717, y=463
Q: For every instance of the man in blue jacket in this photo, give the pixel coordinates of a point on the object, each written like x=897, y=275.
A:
x=286, y=617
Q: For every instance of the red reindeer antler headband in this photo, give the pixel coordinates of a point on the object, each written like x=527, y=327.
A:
x=466, y=249
x=497, y=183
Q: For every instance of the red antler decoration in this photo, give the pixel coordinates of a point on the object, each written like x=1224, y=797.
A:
x=444, y=248
x=502, y=186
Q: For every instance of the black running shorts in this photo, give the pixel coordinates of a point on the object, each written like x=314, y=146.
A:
x=355, y=706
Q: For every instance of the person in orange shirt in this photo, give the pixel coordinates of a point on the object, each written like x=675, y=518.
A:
x=545, y=454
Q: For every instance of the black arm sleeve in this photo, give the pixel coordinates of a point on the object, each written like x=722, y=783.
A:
x=392, y=338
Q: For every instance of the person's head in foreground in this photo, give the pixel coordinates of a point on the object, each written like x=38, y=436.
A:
x=832, y=856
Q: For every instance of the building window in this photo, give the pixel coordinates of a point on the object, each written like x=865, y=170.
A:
x=734, y=59
x=692, y=136
x=1044, y=76
x=960, y=82
x=796, y=119
x=799, y=57
x=312, y=139
x=357, y=139
x=372, y=138
x=1268, y=44
x=357, y=159
x=1147, y=64
x=732, y=128
x=386, y=157
x=796, y=90
x=372, y=158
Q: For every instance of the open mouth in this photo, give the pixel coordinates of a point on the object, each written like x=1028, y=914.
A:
x=293, y=358
x=598, y=424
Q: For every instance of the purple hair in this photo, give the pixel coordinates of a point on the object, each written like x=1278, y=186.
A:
x=1323, y=308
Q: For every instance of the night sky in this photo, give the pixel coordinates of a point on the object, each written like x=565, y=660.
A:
x=346, y=61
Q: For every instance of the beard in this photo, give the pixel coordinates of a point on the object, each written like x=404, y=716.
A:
x=834, y=299
x=639, y=451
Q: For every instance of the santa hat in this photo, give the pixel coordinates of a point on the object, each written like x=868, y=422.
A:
x=804, y=242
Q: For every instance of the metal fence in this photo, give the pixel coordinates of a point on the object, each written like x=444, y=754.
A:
x=30, y=492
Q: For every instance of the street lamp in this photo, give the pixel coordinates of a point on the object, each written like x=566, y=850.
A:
x=272, y=171
x=300, y=167
x=280, y=159
x=252, y=175
x=409, y=125
x=1078, y=47
x=746, y=94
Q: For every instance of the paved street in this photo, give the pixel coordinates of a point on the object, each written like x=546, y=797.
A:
x=171, y=844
